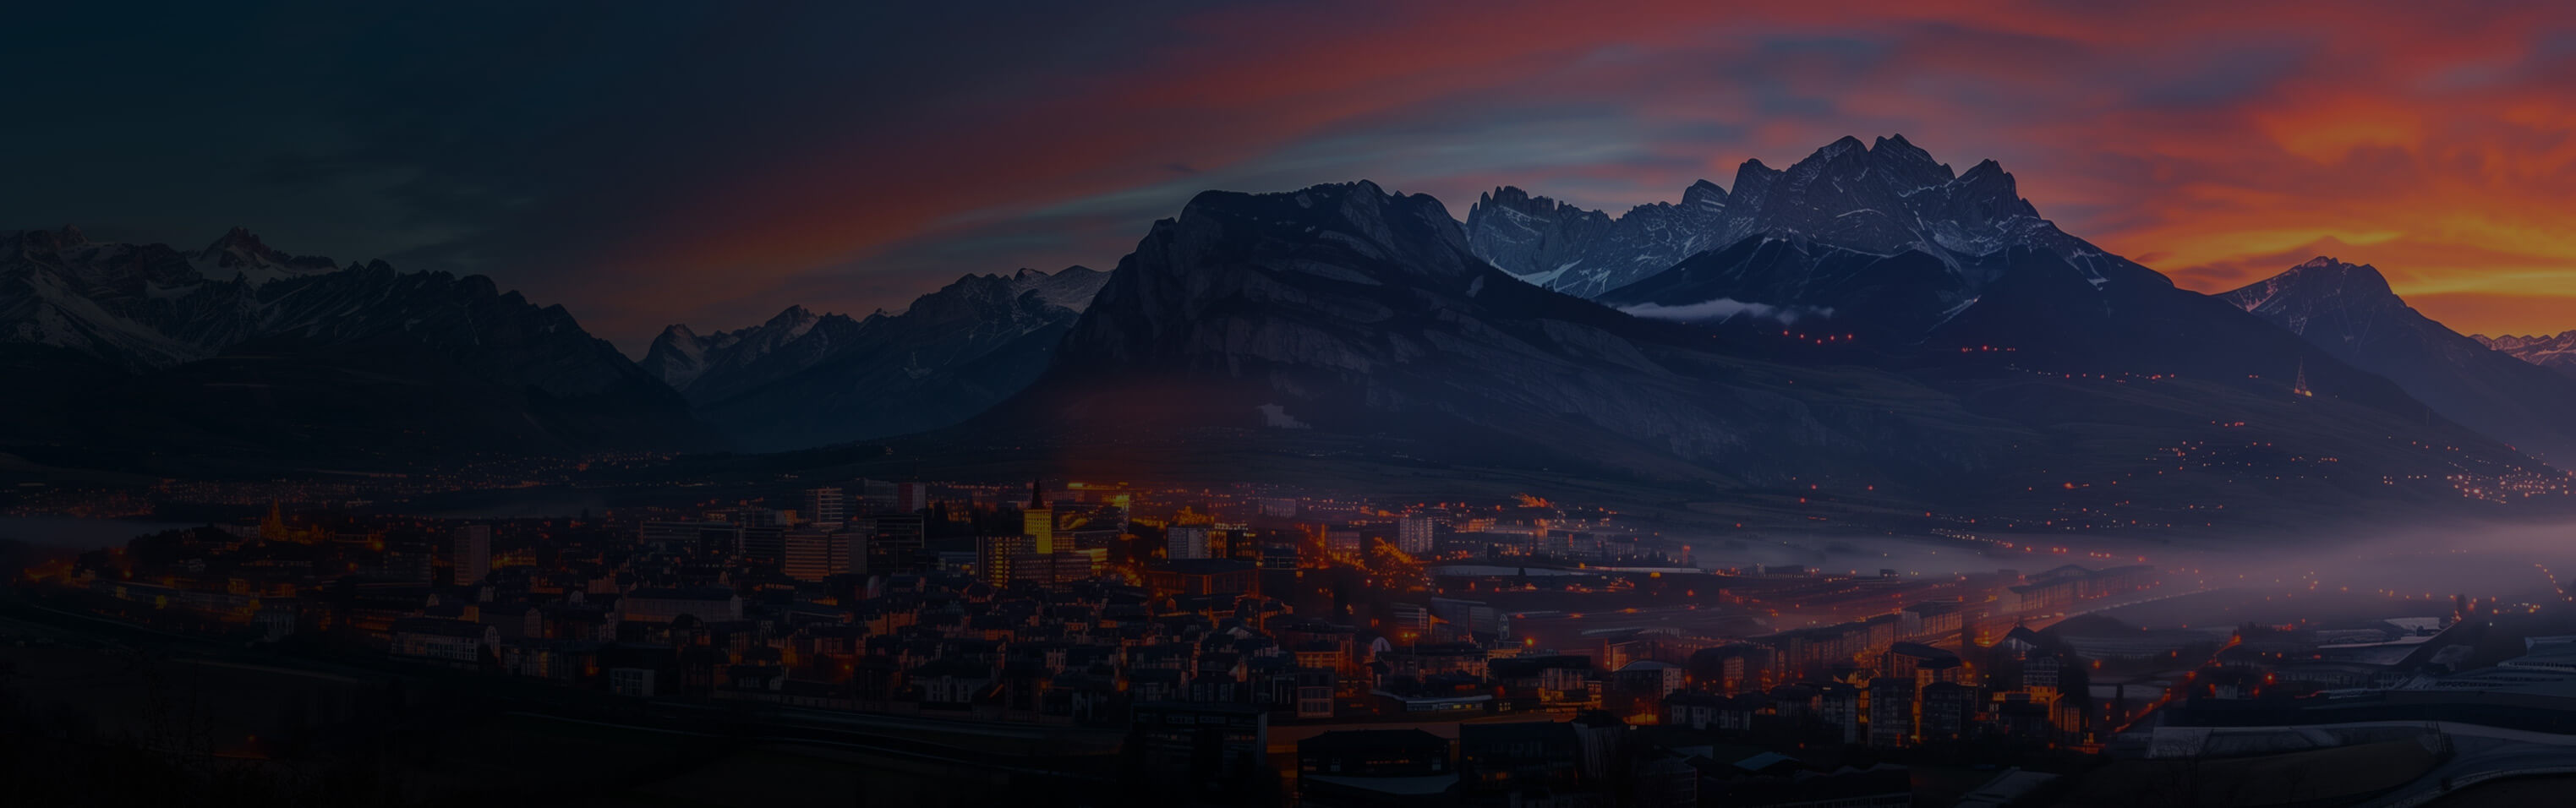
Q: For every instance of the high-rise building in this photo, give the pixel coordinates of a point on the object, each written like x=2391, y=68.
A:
x=1343, y=541
x=1037, y=521
x=877, y=496
x=762, y=547
x=911, y=497
x=814, y=554
x=1413, y=536
x=1235, y=542
x=895, y=541
x=1186, y=541
x=826, y=506
x=1891, y=711
x=473, y=553
x=996, y=555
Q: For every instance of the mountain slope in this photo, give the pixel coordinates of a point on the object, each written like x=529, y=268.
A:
x=1339, y=328
x=286, y=362
x=804, y=380
x=2350, y=312
x=1344, y=309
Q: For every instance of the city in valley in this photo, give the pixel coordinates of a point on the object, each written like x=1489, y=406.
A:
x=1080, y=640
x=1431, y=404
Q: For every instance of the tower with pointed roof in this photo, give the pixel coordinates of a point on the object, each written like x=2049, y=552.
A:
x=1037, y=521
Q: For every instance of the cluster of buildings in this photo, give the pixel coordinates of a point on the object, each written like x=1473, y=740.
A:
x=1200, y=624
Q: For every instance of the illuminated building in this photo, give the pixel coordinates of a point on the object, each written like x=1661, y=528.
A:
x=1949, y=708
x=1343, y=541
x=813, y=554
x=1203, y=576
x=1037, y=521
x=894, y=541
x=454, y=643
x=994, y=556
x=1413, y=535
x=1186, y=541
x=826, y=506
x=1478, y=617
x=1891, y=711
x=473, y=553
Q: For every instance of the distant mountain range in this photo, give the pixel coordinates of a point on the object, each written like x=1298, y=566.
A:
x=237, y=356
x=2349, y=311
x=2553, y=352
x=803, y=379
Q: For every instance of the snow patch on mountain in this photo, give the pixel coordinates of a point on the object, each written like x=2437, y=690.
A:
x=1723, y=310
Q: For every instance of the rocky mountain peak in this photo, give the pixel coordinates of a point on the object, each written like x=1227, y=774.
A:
x=239, y=253
x=46, y=241
x=240, y=241
x=1703, y=195
x=2320, y=282
x=793, y=318
x=1403, y=233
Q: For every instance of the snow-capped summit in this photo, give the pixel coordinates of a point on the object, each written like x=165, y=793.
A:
x=1070, y=287
x=1585, y=252
x=248, y=352
x=1848, y=209
x=1880, y=237
x=240, y=255
x=2557, y=352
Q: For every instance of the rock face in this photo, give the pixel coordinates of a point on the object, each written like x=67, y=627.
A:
x=803, y=379
x=1878, y=239
x=1586, y=253
x=1851, y=228
x=1340, y=323
x=260, y=357
x=2553, y=352
x=730, y=360
x=2349, y=311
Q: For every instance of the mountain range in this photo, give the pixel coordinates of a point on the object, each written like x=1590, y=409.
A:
x=803, y=379
x=1340, y=326
x=1866, y=318
x=141, y=356
x=2349, y=311
x=2553, y=352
